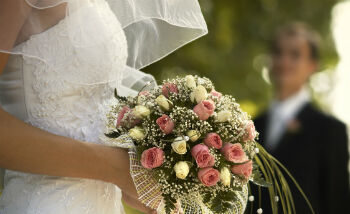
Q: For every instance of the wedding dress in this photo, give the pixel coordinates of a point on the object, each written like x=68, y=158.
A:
x=61, y=82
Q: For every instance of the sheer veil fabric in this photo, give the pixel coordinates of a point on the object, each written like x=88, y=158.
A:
x=152, y=29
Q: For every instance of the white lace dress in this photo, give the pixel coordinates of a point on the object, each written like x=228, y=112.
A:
x=53, y=101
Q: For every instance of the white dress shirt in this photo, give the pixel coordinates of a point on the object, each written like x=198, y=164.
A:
x=281, y=113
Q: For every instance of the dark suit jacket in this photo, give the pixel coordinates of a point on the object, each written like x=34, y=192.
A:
x=314, y=148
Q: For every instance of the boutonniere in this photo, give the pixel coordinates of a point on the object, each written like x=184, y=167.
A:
x=293, y=126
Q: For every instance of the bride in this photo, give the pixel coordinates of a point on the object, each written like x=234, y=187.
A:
x=60, y=61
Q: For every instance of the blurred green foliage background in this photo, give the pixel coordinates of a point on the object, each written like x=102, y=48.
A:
x=235, y=51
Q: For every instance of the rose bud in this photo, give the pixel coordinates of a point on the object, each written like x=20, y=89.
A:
x=234, y=153
x=190, y=81
x=225, y=176
x=243, y=169
x=181, y=169
x=152, y=158
x=163, y=102
x=215, y=94
x=137, y=133
x=209, y=176
x=199, y=94
x=223, y=116
x=141, y=111
x=213, y=140
x=194, y=135
x=202, y=156
x=179, y=146
x=169, y=88
x=204, y=109
x=165, y=123
x=250, y=132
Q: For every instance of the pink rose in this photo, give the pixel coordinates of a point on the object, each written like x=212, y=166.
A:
x=121, y=115
x=144, y=93
x=234, y=153
x=152, y=158
x=216, y=94
x=204, y=109
x=250, y=132
x=166, y=124
x=213, y=140
x=202, y=156
x=169, y=87
x=209, y=176
x=243, y=169
x=125, y=117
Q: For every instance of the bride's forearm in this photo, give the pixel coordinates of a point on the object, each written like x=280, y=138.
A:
x=29, y=149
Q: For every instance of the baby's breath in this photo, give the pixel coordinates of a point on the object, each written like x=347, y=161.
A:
x=185, y=119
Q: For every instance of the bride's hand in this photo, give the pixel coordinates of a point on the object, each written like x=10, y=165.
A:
x=40, y=152
x=135, y=203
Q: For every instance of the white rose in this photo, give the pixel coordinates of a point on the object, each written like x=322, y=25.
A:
x=199, y=94
x=141, y=111
x=163, y=102
x=225, y=176
x=194, y=135
x=181, y=169
x=190, y=81
x=179, y=146
x=137, y=133
x=224, y=116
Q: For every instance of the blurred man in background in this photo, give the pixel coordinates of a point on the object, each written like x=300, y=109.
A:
x=311, y=144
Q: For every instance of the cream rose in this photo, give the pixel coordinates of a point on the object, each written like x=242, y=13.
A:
x=223, y=116
x=190, y=81
x=181, y=169
x=179, y=146
x=199, y=94
x=137, y=133
x=163, y=102
x=141, y=111
x=225, y=176
x=194, y=135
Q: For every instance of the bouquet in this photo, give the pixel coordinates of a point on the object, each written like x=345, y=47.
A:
x=192, y=149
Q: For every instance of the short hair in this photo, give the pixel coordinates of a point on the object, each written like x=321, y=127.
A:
x=299, y=29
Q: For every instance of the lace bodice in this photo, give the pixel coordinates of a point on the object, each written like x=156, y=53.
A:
x=58, y=97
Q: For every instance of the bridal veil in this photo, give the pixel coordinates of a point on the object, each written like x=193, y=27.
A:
x=153, y=29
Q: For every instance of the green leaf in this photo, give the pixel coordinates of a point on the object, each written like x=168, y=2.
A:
x=230, y=196
x=169, y=203
x=206, y=198
x=113, y=134
x=119, y=97
x=216, y=205
x=258, y=179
